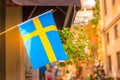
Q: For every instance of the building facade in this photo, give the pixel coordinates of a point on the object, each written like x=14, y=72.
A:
x=13, y=57
x=110, y=28
x=2, y=40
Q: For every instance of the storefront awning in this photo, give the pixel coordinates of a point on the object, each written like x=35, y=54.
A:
x=47, y=2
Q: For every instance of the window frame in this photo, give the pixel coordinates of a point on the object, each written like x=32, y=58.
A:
x=118, y=60
x=113, y=2
x=109, y=63
x=107, y=37
x=105, y=7
x=116, y=31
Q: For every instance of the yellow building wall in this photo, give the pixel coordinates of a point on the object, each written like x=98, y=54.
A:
x=14, y=56
x=109, y=21
x=112, y=49
x=112, y=12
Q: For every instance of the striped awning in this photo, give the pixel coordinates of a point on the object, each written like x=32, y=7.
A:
x=47, y=2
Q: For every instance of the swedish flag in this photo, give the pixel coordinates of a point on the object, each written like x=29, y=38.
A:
x=42, y=41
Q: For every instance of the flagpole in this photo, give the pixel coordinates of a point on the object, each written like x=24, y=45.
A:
x=24, y=22
x=8, y=30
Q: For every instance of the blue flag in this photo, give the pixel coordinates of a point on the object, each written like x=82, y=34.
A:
x=42, y=41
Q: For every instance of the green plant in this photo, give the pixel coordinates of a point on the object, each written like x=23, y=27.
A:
x=75, y=46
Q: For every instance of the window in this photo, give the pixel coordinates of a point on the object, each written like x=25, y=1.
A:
x=105, y=7
x=107, y=36
x=116, y=31
x=109, y=63
x=113, y=2
x=118, y=59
